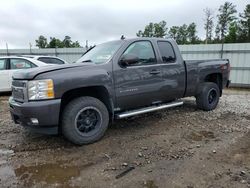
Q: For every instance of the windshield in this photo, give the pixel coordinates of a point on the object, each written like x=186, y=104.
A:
x=101, y=53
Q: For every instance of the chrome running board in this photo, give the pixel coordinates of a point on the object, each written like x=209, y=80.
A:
x=148, y=109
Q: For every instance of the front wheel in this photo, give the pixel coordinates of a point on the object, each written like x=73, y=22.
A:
x=84, y=120
x=208, y=96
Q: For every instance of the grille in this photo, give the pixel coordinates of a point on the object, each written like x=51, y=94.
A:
x=18, y=90
x=18, y=83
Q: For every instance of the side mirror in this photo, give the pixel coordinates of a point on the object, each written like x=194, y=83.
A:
x=129, y=59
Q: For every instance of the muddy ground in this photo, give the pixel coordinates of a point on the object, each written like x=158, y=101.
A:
x=180, y=147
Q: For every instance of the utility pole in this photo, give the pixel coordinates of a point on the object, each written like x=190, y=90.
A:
x=7, y=49
x=222, y=49
x=87, y=45
x=30, y=48
x=56, y=51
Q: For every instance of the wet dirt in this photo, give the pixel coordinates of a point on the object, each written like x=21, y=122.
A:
x=49, y=173
x=179, y=147
x=199, y=136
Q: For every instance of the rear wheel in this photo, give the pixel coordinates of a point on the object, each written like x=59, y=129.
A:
x=208, y=96
x=84, y=120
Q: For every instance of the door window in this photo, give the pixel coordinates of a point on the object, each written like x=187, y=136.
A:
x=20, y=64
x=2, y=64
x=139, y=53
x=167, y=52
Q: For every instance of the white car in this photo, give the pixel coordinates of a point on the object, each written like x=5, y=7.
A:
x=47, y=59
x=10, y=64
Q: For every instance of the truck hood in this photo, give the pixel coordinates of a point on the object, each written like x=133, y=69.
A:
x=29, y=74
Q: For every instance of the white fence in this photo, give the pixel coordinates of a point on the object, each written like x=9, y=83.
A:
x=238, y=54
x=68, y=54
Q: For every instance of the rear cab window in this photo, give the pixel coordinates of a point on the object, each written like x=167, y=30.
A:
x=167, y=52
x=2, y=64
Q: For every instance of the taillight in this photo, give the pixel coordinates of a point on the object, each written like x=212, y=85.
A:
x=228, y=66
x=225, y=67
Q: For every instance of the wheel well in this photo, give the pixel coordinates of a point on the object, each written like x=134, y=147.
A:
x=98, y=92
x=216, y=78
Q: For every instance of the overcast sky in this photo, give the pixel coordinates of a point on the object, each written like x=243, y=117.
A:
x=22, y=21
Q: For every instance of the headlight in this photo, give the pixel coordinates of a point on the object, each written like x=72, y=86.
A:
x=41, y=89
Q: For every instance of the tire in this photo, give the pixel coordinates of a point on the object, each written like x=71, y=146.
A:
x=208, y=96
x=84, y=120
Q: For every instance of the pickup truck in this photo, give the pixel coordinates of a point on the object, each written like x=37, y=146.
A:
x=114, y=80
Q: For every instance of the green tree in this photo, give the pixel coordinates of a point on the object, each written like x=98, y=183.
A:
x=173, y=32
x=232, y=34
x=192, y=34
x=185, y=34
x=76, y=44
x=182, y=34
x=140, y=33
x=148, y=31
x=67, y=42
x=154, y=30
x=55, y=43
x=208, y=25
x=244, y=25
x=225, y=17
x=160, y=29
x=41, y=42
x=217, y=35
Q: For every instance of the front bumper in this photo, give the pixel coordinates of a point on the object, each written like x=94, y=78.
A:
x=45, y=112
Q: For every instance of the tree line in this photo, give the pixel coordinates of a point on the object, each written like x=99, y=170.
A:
x=230, y=27
x=42, y=42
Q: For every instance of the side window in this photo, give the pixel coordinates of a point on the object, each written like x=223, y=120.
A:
x=56, y=61
x=44, y=59
x=139, y=53
x=20, y=64
x=50, y=60
x=167, y=52
x=2, y=64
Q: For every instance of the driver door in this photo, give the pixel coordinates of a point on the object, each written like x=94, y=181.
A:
x=137, y=80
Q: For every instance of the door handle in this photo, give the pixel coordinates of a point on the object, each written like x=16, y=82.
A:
x=155, y=71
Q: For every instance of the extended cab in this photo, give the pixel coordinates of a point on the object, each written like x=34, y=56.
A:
x=113, y=80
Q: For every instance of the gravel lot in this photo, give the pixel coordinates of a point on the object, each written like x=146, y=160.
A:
x=179, y=147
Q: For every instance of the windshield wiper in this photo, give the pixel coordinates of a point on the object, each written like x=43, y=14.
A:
x=88, y=60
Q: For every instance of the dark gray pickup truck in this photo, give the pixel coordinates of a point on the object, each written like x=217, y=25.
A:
x=114, y=80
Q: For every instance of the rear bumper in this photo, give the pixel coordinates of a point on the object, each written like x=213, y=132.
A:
x=45, y=113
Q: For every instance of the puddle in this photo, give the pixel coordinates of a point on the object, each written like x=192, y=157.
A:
x=199, y=136
x=47, y=173
x=59, y=173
